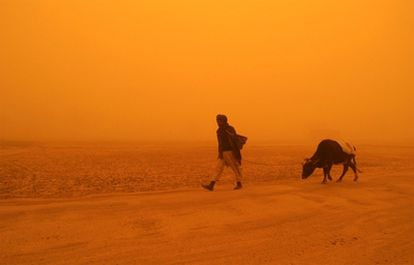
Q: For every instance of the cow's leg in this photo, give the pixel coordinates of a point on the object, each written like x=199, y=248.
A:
x=355, y=163
x=346, y=166
x=329, y=173
x=325, y=174
x=353, y=166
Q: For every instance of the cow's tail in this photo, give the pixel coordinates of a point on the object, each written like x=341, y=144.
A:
x=355, y=163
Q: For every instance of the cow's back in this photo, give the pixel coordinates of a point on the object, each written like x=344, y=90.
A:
x=328, y=150
x=347, y=147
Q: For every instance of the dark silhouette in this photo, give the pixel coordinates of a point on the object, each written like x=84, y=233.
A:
x=329, y=153
x=229, y=145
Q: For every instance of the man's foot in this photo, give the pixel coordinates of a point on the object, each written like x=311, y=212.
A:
x=238, y=185
x=209, y=186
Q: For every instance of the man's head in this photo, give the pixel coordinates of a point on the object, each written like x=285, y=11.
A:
x=221, y=119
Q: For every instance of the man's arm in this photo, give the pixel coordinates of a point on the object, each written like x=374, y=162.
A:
x=220, y=151
x=231, y=131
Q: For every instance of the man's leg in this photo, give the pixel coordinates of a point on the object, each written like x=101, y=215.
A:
x=235, y=166
x=219, y=170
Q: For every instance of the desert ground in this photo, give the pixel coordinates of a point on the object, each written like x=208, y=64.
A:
x=135, y=203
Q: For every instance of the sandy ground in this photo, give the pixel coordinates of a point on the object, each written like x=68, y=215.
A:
x=287, y=221
x=62, y=170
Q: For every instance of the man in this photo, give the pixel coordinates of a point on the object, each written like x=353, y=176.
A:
x=229, y=153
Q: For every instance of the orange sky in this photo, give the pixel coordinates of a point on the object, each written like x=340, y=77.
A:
x=287, y=71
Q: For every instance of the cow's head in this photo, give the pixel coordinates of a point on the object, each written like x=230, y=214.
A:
x=308, y=166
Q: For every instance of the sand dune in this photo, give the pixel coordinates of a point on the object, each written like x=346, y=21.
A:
x=282, y=222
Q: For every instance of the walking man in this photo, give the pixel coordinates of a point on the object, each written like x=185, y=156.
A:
x=228, y=153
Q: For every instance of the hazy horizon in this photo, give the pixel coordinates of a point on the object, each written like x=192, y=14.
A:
x=285, y=71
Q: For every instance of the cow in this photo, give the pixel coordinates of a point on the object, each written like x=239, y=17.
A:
x=329, y=153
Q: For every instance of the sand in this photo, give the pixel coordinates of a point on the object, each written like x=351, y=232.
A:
x=276, y=219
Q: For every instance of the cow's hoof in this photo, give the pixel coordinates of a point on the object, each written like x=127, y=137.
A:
x=324, y=182
x=339, y=181
x=355, y=180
